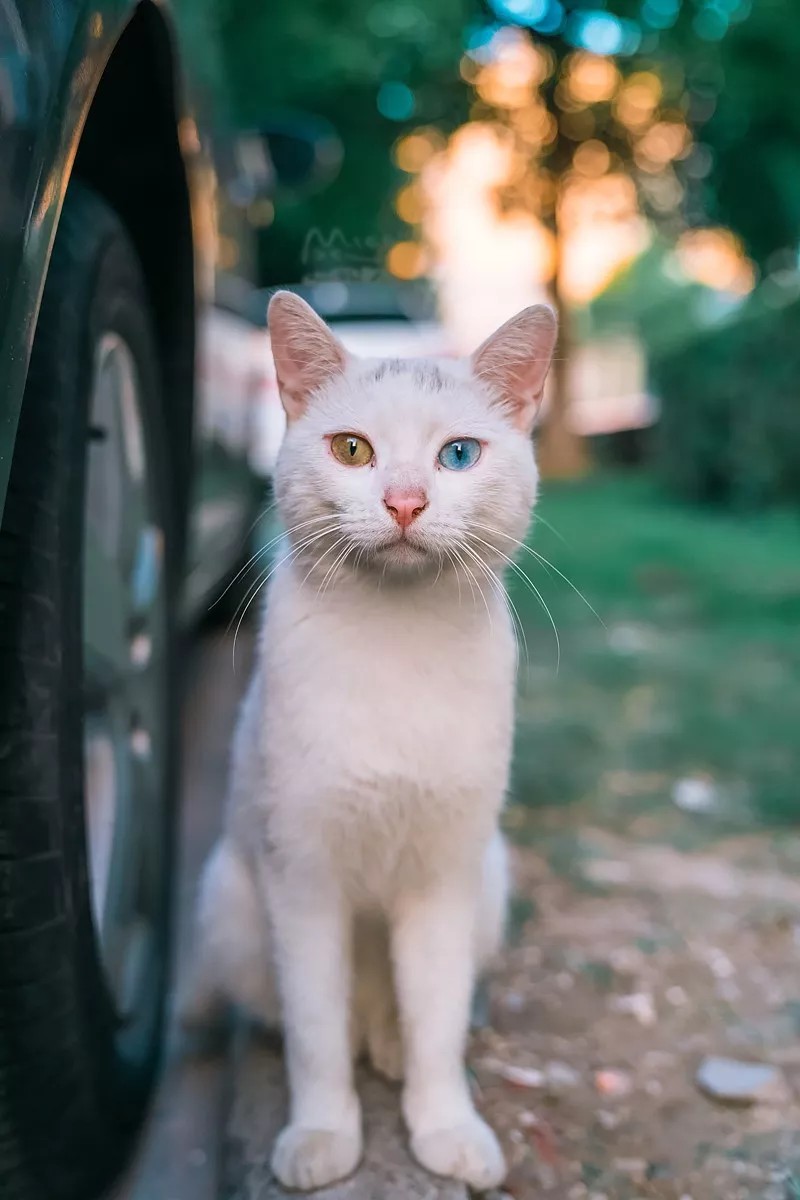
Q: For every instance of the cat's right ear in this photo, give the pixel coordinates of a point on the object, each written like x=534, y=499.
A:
x=307, y=355
x=514, y=362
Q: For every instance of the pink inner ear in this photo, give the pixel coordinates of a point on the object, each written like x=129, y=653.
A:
x=307, y=355
x=513, y=362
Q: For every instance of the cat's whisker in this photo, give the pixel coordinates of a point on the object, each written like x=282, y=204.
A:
x=469, y=576
x=540, y=520
x=472, y=579
x=264, y=578
x=502, y=591
x=262, y=550
x=309, y=539
x=325, y=553
x=440, y=558
x=528, y=583
x=545, y=563
x=454, y=565
x=516, y=620
x=334, y=568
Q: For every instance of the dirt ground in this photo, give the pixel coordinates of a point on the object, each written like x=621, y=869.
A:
x=630, y=961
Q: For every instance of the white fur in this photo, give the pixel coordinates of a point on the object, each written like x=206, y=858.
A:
x=361, y=864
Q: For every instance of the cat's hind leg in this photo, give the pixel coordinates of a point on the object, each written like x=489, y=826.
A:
x=232, y=960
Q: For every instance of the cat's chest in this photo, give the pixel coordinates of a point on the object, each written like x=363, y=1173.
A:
x=399, y=692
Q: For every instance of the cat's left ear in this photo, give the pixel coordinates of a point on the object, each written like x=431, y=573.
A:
x=514, y=362
x=307, y=355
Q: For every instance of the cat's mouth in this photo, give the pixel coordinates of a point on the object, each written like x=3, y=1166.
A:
x=403, y=549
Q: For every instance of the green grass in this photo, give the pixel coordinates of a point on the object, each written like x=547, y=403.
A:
x=697, y=671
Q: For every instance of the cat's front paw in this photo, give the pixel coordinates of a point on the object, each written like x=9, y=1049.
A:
x=312, y=1158
x=468, y=1151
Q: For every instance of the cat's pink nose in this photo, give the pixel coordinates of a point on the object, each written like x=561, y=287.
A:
x=405, y=505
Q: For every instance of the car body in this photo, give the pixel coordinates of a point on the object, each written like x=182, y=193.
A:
x=128, y=389
x=72, y=106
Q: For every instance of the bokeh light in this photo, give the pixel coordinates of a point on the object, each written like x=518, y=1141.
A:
x=638, y=100
x=545, y=16
x=716, y=258
x=661, y=144
x=406, y=260
x=415, y=150
x=592, y=159
x=409, y=205
x=395, y=101
x=591, y=79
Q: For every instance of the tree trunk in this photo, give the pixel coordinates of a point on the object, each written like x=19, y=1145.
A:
x=562, y=454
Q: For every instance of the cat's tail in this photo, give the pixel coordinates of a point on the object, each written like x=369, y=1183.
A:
x=232, y=963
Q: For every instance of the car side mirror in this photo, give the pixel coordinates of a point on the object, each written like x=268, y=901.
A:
x=292, y=155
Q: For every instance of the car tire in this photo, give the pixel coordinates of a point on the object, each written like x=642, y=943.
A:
x=76, y=1063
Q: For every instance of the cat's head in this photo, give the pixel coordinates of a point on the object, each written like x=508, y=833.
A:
x=411, y=464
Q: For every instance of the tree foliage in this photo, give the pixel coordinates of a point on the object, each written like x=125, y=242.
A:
x=726, y=68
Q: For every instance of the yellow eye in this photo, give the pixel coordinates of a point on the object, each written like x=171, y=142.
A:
x=352, y=450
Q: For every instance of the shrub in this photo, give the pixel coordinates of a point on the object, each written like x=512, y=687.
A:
x=730, y=424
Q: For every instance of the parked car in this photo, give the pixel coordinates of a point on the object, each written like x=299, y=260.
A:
x=126, y=405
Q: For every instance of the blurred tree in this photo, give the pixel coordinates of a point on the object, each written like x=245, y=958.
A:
x=594, y=121
x=742, y=94
x=692, y=100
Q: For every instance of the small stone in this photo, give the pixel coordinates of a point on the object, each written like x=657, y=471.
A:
x=561, y=1075
x=639, y=1005
x=626, y=959
x=721, y=966
x=677, y=997
x=521, y=1077
x=735, y=1082
x=527, y=1119
x=546, y=1176
x=613, y=1083
x=514, y=1002
x=694, y=794
x=608, y=1120
x=634, y=1168
x=608, y=870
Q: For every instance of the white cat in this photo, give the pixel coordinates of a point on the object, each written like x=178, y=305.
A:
x=360, y=882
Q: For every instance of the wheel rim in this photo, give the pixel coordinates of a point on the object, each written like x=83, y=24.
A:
x=124, y=634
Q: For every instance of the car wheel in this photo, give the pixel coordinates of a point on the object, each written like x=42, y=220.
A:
x=87, y=724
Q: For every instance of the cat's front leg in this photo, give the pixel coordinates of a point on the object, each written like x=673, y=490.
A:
x=433, y=937
x=322, y=1141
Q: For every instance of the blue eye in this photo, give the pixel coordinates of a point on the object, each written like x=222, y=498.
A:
x=460, y=454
